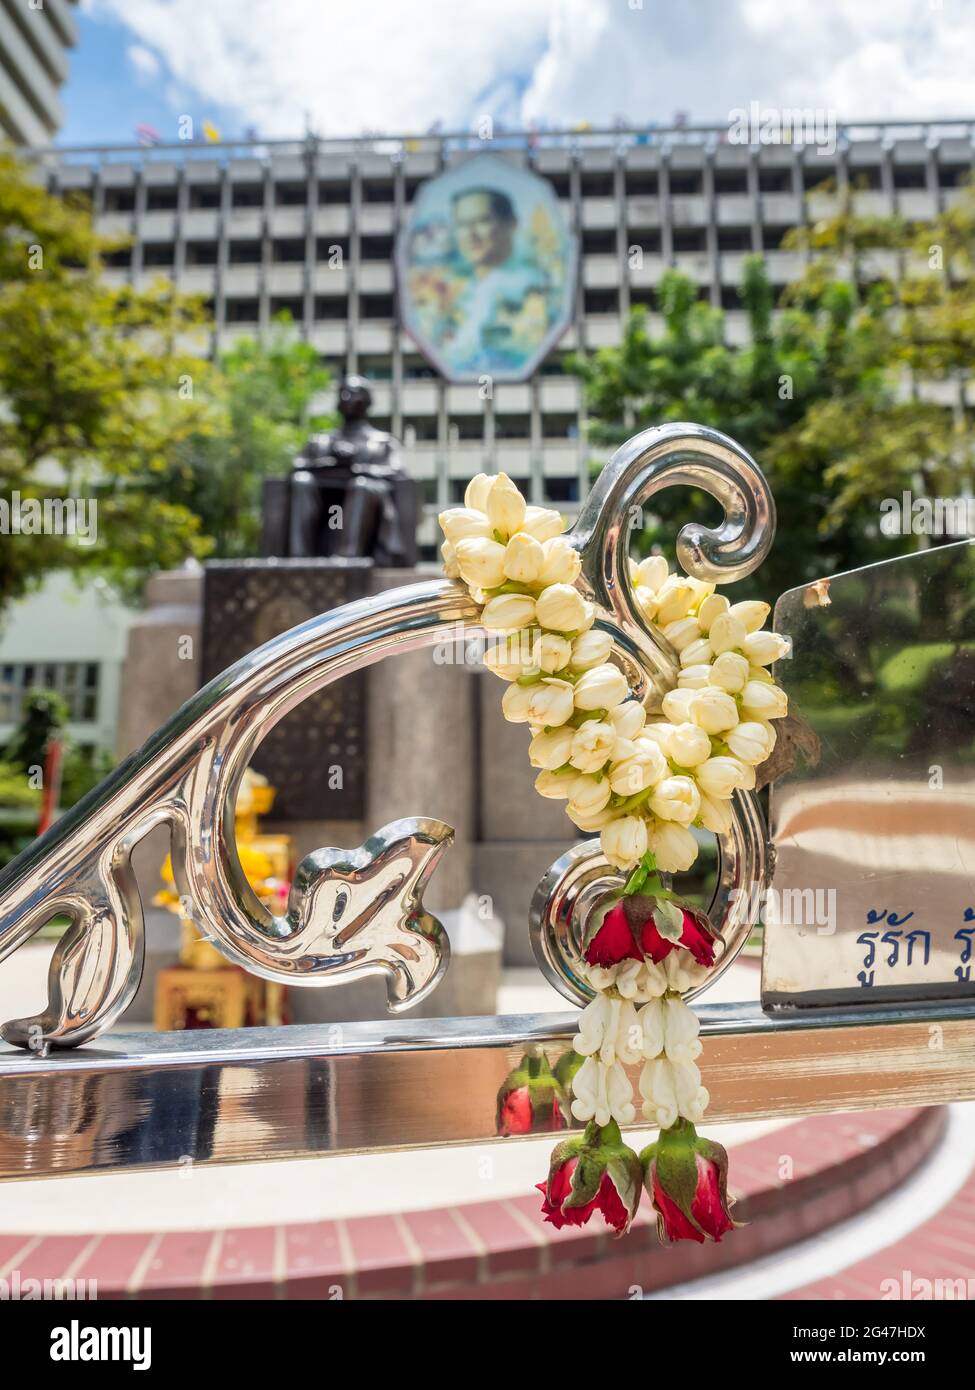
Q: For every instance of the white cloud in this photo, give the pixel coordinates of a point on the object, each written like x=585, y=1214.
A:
x=400, y=65
x=144, y=61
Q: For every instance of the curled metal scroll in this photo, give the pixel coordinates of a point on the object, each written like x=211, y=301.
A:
x=672, y=455
x=350, y=913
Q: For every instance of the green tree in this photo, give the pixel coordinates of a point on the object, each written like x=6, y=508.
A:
x=266, y=395
x=98, y=385
x=835, y=395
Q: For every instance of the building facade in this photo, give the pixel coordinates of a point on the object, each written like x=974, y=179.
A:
x=309, y=227
x=33, y=66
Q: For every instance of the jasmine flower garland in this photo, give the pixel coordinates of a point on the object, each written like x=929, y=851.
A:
x=641, y=782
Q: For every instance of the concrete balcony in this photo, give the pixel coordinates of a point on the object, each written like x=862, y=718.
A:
x=375, y=336
x=781, y=209
x=560, y=395
x=287, y=222
x=735, y=210
x=382, y=397
x=643, y=212
x=115, y=224
x=332, y=220
x=200, y=225
x=513, y=398
x=871, y=203
x=375, y=277
x=376, y=218
x=599, y=212
x=649, y=272
x=421, y=397
x=560, y=458
x=330, y=339
x=689, y=211
x=286, y=280
x=330, y=280
x=696, y=264
x=242, y=281
x=917, y=204
x=783, y=266
x=464, y=400
x=245, y=224
x=603, y=330
x=158, y=226
x=198, y=279
x=822, y=206
x=600, y=272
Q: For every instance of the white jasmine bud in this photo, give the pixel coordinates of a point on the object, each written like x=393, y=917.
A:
x=713, y=710
x=624, y=841
x=562, y=562
x=602, y=687
x=676, y=799
x=463, y=523
x=551, y=749
x=729, y=672
x=591, y=649
x=688, y=745
x=762, y=648
x=592, y=745
x=508, y=612
x=505, y=506
x=727, y=633
x=560, y=607
x=481, y=562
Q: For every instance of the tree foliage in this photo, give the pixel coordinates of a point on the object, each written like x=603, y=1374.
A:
x=98, y=383
x=266, y=395
x=854, y=390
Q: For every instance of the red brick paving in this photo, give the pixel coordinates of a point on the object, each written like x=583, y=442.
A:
x=502, y=1249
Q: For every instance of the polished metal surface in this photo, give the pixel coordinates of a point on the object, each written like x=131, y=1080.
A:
x=879, y=820
x=670, y=456
x=138, y=1101
x=579, y=880
x=349, y=913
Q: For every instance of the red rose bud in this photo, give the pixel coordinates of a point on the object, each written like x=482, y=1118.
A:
x=611, y=938
x=696, y=933
x=532, y=1100
x=594, y=1171
x=686, y=1178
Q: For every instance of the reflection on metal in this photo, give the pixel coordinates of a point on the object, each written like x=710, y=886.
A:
x=349, y=914
x=875, y=843
x=156, y=1100
x=576, y=883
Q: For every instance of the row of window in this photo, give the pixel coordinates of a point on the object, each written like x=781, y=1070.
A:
x=593, y=184
x=75, y=681
x=247, y=310
x=335, y=251
x=469, y=429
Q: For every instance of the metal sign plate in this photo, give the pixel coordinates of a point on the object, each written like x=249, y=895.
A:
x=873, y=828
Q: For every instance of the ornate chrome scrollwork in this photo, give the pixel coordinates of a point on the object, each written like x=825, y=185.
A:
x=350, y=913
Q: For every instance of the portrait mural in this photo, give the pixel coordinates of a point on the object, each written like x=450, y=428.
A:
x=486, y=269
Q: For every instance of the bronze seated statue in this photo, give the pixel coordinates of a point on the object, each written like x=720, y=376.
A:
x=348, y=494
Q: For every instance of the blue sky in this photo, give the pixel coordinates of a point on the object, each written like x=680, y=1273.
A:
x=399, y=66
x=107, y=96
